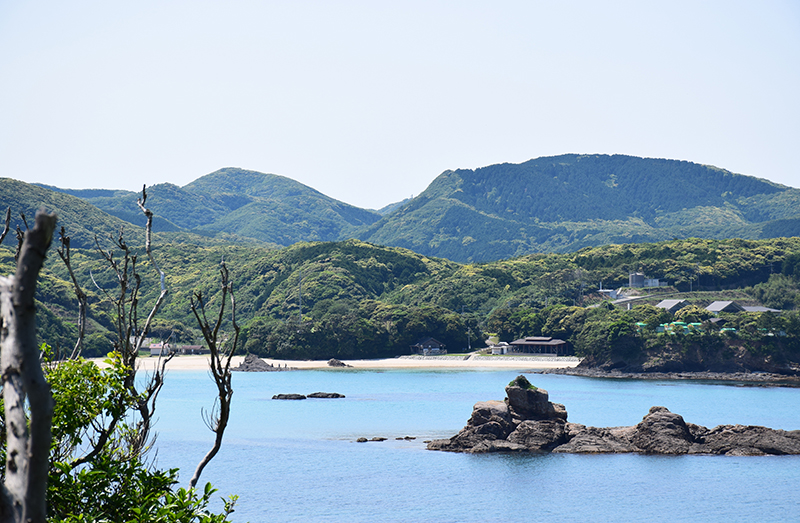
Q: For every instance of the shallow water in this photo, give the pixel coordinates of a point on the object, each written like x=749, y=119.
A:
x=298, y=460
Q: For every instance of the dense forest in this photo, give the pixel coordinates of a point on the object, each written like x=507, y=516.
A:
x=357, y=300
x=550, y=204
x=564, y=203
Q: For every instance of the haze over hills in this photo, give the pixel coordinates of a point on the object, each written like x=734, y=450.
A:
x=549, y=204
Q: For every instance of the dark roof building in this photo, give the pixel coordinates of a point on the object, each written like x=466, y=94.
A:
x=672, y=306
x=428, y=346
x=724, y=306
x=539, y=345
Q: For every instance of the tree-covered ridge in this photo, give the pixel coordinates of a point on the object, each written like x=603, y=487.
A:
x=240, y=203
x=367, y=300
x=550, y=204
x=564, y=203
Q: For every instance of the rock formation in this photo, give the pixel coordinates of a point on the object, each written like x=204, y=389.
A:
x=528, y=422
x=289, y=397
x=325, y=395
x=333, y=362
x=253, y=363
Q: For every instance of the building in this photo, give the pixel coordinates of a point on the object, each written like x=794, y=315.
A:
x=538, y=345
x=724, y=306
x=500, y=348
x=638, y=280
x=428, y=347
x=672, y=306
x=165, y=349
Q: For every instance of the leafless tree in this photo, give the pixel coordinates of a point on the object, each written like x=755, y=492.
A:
x=28, y=433
x=217, y=419
x=64, y=253
x=131, y=333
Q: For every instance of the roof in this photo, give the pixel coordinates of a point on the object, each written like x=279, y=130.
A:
x=538, y=340
x=672, y=304
x=427, y=342
x=724, y=306
x=760, y=309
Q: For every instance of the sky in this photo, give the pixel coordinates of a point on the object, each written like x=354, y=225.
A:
x=369, y=101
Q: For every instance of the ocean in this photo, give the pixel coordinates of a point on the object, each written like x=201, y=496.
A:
x=299, y=460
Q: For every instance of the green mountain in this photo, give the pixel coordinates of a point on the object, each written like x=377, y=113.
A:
x=81, y=219
x=241, y=203
x=564, y=203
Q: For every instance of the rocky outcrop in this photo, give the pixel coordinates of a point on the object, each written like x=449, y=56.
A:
x=333, y=362
x=289, y=397
x=253, y=363
x=323, y=395
x=326, y=395
x=748, y=378
x=528, y=422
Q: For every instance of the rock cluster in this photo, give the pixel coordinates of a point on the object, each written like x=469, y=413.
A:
x=527, y=422
x=253, y=363
x=333, y=362
x=318, y=395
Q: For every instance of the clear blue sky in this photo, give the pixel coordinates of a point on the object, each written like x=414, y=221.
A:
x=368, y=101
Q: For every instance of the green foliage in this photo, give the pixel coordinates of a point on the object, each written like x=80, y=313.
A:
x=562, y=204
x=243, y=204
x=522, y=382
x=779, y=292
x=369, y=330
x=113, y=484
x=127, y=491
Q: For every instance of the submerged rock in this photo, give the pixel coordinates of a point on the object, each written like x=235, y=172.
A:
x=326, y=395
x=528, y=422
x=288, y=397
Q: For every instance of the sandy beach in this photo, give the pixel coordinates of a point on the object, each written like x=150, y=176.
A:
x=179, y=363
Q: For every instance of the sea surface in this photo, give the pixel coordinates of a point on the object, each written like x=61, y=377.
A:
x=299, y=460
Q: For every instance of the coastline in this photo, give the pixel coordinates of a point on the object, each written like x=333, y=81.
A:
x=472, y=362
x=762, y=379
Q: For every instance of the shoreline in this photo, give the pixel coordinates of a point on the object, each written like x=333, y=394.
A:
x=761, y=379
x=471, y=362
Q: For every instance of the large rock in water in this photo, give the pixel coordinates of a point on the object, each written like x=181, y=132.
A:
x=528, y=422
x=253, y=363
x=526, y=402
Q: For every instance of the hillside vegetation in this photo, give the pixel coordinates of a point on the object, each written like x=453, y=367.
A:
x=362, y=300
x=552, y=204
x=565, y=203
x=241, y=204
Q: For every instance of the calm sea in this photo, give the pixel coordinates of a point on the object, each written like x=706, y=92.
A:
x=299, y=461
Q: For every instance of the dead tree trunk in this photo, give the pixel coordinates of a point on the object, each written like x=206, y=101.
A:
x=217, y=419
x=28, y=428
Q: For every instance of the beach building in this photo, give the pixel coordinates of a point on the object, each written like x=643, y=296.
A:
x=164, y=349
x=428, y=347
x=539, y=345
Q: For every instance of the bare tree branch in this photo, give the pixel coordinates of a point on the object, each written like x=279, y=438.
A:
x=64, y=253
x=28, y=436
x=7, y=226
x=217, y=419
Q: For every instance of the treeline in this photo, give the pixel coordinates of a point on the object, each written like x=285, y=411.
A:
x=564, y=203
x=363, y=300
x=635, y=340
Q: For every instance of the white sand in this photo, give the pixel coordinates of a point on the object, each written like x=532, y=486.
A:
x=433, y=362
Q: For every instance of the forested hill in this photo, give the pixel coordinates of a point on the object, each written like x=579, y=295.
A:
x=552, y=204
x=564, y=203
x=242, y=203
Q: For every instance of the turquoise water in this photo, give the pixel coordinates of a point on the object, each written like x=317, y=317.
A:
x=298, y=460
